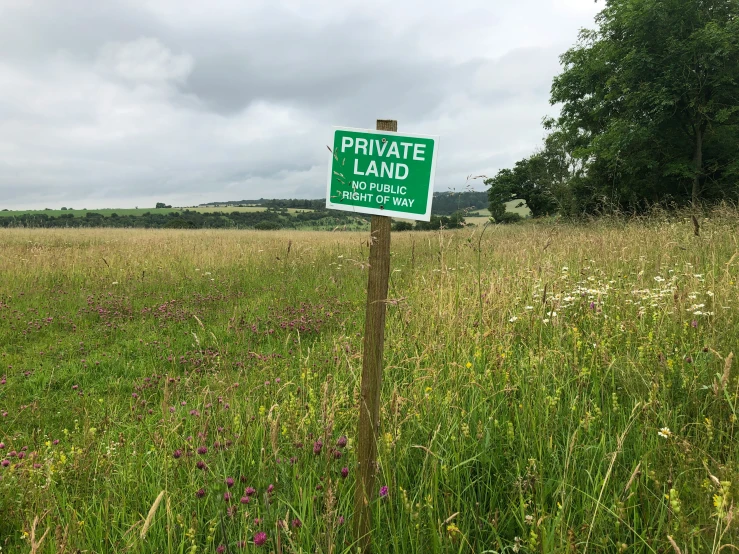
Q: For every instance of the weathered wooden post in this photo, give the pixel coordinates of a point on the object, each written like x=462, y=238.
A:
x=375, y=173
x=374, y=343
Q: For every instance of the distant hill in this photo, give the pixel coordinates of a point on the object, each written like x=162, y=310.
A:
x=445, y=203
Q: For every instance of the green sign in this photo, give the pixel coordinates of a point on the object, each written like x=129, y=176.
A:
x=382, y=173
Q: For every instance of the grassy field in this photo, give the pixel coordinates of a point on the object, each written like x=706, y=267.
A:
x=140, y=211
x=547, y=388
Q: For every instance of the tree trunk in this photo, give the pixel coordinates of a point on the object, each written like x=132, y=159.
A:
x=697, y=163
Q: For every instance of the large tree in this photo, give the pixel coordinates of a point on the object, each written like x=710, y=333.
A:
x=650, y=104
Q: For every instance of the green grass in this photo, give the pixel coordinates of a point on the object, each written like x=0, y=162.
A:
x=529, y=372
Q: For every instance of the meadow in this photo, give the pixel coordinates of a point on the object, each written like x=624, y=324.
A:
x=547, y=388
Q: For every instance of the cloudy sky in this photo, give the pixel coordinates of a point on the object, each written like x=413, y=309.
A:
x=107, y=103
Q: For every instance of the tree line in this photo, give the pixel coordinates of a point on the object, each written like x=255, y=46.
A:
x=271, y=218
x=649, y=115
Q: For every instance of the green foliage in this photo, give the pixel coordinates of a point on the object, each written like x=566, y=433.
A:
x=402, y=226
x=650, y=108
x=270, y=218
x=448, y=202
x=454, y=221
x=535, y=180
x=179, y=223
x=268, y=226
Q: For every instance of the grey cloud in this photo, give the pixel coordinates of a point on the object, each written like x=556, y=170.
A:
x=122, y=102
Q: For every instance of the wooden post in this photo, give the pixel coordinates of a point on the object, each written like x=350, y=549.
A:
x=374, y=342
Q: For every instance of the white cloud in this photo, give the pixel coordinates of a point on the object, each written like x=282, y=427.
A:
x=144, y=60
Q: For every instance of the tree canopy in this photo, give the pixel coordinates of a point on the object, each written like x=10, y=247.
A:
x=649, y=113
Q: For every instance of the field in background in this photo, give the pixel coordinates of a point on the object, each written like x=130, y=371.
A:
x=547, y=388
x=141, y=211
x=510, y=206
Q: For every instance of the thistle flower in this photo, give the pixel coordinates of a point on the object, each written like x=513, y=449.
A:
x=344, y=472
x=200, y=493
x=250, y=491
x=227, y=496
x=341, y=443
x=245, y=499
x=229, y=482
x=383, y=491
x=177, y=454
x=202, y=449
x=317, y=447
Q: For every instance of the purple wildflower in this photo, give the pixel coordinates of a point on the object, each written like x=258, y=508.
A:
x=317, y=447
x=229, y=482
x=245, y=499
x=226, y=496
x=177, y=454
x=297, y=524
x=221, y=548
x=200, y=493
x=260, y=538
x=341, y=443
x=202, y=449
x=250, y=491
x=383, y=491
x=344, y=472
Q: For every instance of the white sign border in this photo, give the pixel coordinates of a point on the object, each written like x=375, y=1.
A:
x=377, y=211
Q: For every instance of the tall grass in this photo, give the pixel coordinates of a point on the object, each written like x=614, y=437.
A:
x=547, y=388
